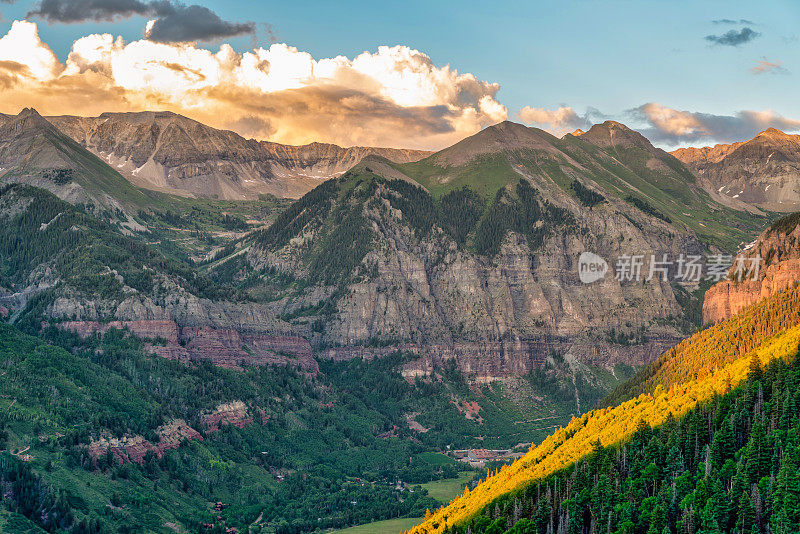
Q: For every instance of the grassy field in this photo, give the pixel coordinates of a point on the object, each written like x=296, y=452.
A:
x=390, y=526
x=441, y=490
x=445, y=490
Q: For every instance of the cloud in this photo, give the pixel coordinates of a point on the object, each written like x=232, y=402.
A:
x=672, y=127
x=733, y=21
x=179, y=23
x=73, y=11
x=733, y=37
x=765, y=66
x=558, y=121
x=173, y=22
x=394, y=96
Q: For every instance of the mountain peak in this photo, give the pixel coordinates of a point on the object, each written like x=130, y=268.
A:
x=27, y=121
x=774, y=133
x=28, y=112
x=613, y=133
x=501, y=137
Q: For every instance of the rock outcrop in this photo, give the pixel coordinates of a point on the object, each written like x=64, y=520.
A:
x=779, y=269
x=232, y=413
x=135, y=448
x=224, y=347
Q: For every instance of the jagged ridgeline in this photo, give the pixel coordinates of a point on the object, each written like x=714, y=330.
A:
x=702, y=368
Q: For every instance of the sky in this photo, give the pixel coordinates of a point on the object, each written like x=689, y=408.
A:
x=412, y=74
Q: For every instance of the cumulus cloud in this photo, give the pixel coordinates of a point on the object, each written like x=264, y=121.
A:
x=764, y=66
x=174, y=22
x=394, y=96
x=558, y=121
x=672, y=127
x=733, y=37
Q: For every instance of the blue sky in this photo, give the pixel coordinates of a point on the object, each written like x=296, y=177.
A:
x=610, y=55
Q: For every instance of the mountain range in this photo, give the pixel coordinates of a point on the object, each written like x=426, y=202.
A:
x=387, y=255
x=172, y=153
x=762, y=172
x=288, y=358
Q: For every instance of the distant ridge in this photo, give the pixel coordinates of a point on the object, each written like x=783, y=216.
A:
x=763, y=172
x=168, y=152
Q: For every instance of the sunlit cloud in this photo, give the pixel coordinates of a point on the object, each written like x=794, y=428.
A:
x=394, y=96
x=559, y=121
x=673, y=127
x=765, y=66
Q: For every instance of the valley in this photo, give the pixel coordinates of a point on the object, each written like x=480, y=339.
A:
x=410, y=326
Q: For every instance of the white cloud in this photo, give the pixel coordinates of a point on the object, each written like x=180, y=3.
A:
x=22, y=45
x=394, y=96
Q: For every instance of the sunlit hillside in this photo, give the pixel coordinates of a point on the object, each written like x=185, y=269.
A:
x=750, y=335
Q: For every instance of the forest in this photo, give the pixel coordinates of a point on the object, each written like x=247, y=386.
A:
x=730, y=465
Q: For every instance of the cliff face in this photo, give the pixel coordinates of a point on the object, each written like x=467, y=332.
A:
x=762, y=172
x=171, y=153
x=413, y=288
x=472, y=254
x=779, y=248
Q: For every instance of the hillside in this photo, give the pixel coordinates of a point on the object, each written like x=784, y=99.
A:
x=613, y=426
x=171, y=153
x=60, y=265
x=104, y=438
x=472, y=254
x=762, y=172
x=34, y=152
x=729, y=465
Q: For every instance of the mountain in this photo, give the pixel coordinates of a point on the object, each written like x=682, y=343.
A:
x=617, y=159
x=61, y=266
x=472, y=254
x=776, y=253
x=174, y=154
x=34, y=152
x=685, y=396
x=763, y=172
x=728, y=465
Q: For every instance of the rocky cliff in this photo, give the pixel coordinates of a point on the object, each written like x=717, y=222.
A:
x=171, y=153
x=377, y=265
x=779, y=270
x=762, y=172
